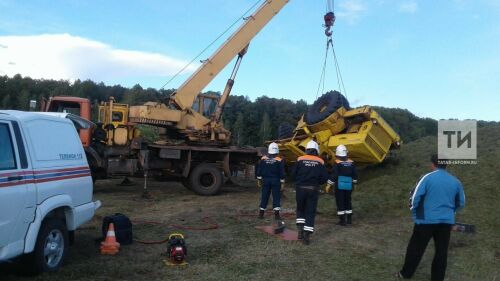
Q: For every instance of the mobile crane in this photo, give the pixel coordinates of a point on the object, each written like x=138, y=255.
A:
x=195, y=146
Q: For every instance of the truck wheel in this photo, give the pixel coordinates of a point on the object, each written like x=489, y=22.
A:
x=206, y=179
x=186, y=183
x=51, y=247
x=324, y=106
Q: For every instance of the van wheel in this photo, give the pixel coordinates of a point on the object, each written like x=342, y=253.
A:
x=206, y=179
x=51, y=246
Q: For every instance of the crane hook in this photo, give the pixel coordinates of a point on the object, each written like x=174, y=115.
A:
x=329, y=21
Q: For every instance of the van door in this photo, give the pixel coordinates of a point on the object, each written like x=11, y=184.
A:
x=17, y=190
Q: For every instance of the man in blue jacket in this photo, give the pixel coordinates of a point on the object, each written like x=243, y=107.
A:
x=433, y=203
x=309, y=173
x=271, y=177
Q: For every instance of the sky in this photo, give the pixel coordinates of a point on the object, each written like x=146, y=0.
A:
x=438, y=59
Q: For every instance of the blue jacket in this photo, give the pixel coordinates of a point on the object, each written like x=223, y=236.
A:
x=310, y=170
x=271, y=169
x=436, y=198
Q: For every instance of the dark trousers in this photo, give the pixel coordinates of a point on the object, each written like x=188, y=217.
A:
x=267, y=187
x=307, y=201
x=422, y=233
x=343, y=200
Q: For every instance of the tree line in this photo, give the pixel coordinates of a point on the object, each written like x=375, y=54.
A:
x=251, y=122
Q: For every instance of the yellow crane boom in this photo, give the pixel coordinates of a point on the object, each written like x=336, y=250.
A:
x=187, y=92
x=179, y=114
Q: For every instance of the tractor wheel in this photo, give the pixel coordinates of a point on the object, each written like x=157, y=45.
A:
x=285, y=130
x=206, y=179
x=324, y=106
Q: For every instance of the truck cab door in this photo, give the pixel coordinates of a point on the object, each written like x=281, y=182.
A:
x=17, y=190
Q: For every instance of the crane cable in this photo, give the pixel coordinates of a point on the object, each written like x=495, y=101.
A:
x=329, y=22
x=340, y=80
x=321, y=84
x=242, y=17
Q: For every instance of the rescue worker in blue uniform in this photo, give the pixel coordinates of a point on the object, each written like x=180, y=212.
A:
x=343, y=178
x=309, y=173
x=271, y=178
x=433, y=204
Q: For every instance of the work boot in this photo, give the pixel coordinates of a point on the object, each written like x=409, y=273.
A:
x=277, y=215
x=342, y=220
x=300, y=232
x=261, y=214
x=306, y=241
x=349, y=219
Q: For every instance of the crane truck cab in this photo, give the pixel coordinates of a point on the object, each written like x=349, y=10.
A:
x=45, y=187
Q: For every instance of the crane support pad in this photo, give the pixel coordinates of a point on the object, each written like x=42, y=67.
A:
x=287, y=234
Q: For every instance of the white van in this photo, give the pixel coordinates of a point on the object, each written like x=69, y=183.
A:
x=45, y=187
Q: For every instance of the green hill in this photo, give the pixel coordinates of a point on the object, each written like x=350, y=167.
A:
x=384, y=191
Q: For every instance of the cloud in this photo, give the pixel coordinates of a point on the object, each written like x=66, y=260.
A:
x=410, y=7
x=63, y=56
x=351, y=10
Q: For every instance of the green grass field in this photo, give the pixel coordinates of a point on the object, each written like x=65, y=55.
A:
x=373, y=249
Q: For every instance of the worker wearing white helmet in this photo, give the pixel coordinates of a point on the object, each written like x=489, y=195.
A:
x=309, y=173
x=343, y=178
x=271, y=178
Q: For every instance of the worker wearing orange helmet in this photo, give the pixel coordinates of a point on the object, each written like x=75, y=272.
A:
x=343, y=178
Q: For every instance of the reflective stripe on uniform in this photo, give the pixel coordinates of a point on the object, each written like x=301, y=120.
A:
x=340, y=213
x=300, y=221
x=348, y=212
x=277, y=209
x=309, y=228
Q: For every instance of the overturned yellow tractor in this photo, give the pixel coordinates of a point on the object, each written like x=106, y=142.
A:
x=331, y=122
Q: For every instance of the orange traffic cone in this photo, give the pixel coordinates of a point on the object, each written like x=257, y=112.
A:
x=109, y=246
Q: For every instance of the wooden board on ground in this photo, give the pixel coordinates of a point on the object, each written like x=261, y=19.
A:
x=287, y=235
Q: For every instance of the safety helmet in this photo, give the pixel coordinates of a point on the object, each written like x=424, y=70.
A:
x=273, y=148
x=341, y=151
x=312, y=145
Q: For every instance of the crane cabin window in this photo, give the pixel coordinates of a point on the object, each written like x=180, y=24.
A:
x=196, y=105
x=117, y=116
x=209, y=106
x=7, y=156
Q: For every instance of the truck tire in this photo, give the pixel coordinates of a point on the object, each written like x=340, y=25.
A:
x=285, y=130
x=324, y=106
x=51, y=247
x=186, y=183
x=206, y=179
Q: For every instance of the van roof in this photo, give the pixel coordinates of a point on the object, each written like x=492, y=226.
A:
x=23, y=116
x=27, y=116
